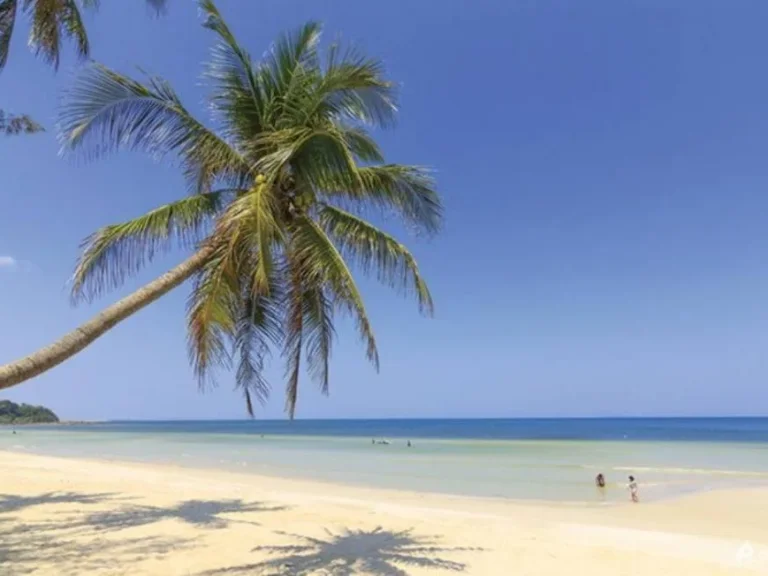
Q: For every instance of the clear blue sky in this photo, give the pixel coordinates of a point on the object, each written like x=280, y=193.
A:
x=604, y=167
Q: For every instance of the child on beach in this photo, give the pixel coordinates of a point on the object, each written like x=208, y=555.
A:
x=632, y=486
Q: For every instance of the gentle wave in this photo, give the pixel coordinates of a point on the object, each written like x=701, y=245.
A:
x=701, y=471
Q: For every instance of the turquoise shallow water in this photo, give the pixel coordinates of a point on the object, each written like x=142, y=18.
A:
x=471, y=463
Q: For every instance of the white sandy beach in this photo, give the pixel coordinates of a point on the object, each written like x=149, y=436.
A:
x=65, y=516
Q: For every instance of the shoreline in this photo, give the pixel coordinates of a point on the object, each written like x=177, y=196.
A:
x=352, y=485
x=363, y=492
x=308, y=485
x=67, y=515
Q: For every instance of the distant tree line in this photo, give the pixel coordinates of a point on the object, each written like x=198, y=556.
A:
x=12, y=413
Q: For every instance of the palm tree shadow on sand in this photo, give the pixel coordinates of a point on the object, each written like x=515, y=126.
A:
x=375, y=552
x=203, y=513
x=86, y=542
x=14, y=503
x=39, y=548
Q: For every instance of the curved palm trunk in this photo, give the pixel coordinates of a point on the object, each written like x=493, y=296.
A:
x=72, y=343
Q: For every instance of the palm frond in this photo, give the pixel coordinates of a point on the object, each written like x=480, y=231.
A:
x=312, y=155
x=52, y=21
x=294, y=52
x=8, y=9
x=360, y=143
x=320, y=262
x=291, y=71
x=236, y=285
x=72, y=23
x=12, y=124
x=309, y=326
x=238, y=96
x=213, y=310
x=353, y=87
x=105, y=111
x=251, y=221
x=118, y=251
x=259, y=326
x=45, y=37
x=294, y=333
x=408, y=191
x=319, y=334
x=376, y=253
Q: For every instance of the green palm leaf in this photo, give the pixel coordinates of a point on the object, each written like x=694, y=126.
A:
x=105, y=111
x=238, y=100
x=212, y=314
x=309, y=326
x=118, y=251
x=407, y=191
x=52, y=21
x=8, y=10
x=226, y=310
x=251, y=221
x=319, y=334
x=310, y=153
x=376, y=253
x=353, y=87
x=259, y=326
x=11, y=124
x=45, y=36
x=293, y=342
x=320, y=262
x=71, y=22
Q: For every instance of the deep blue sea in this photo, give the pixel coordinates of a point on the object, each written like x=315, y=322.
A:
x=545, y=459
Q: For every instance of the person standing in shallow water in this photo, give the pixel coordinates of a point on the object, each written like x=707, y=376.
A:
x=633, y=489
x=600, y=480
x=600, y=483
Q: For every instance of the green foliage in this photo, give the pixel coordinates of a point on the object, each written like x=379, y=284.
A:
x=11, y=124
x=294, y=170
x=11, y=413
x=131, y=243
x=52, y=21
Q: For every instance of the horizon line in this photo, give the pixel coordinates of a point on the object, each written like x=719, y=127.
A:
x=400, y=418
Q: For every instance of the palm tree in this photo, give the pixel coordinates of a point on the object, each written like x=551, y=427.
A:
x=280, y=192
x=52, y=21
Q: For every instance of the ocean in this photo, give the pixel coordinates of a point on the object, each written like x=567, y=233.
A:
x=525, y=459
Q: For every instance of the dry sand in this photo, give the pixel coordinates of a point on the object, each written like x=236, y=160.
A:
x=65, y=516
